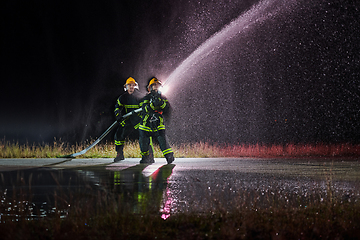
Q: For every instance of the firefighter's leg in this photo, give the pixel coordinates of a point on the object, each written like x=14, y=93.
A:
x=119, y=144
x=165, y=147
x=144, y=141
x=151, y=150
x=123, y=131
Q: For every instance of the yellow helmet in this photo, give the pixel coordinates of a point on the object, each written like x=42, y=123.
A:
x=151, y=82
x=130, y=80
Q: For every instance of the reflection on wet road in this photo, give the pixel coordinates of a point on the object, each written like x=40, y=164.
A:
x=141, y=187
x=189, y=185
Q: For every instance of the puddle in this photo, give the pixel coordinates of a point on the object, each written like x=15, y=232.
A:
x=36, y=193
x=168, y=189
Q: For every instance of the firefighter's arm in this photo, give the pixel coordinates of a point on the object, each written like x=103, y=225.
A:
x=164, y=103
x=145, y=105
x=118, y=109
x=158, y=102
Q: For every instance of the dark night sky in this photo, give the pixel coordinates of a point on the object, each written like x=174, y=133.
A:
x=63, y=64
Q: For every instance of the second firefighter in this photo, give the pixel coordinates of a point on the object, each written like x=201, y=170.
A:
x=154, y=107
x=126, y=103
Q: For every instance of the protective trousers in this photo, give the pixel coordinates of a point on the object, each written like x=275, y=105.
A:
x=144, y=141
x=122, y=132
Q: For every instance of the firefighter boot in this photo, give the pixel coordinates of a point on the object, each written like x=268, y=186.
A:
x=120, y=153
x=147, y=158
x=169, y=157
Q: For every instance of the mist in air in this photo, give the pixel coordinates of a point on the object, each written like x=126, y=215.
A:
x=283, y=71
x=270, y=71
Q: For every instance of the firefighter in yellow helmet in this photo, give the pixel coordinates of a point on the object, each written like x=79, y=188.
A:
x=126, y=103
x=154, y=107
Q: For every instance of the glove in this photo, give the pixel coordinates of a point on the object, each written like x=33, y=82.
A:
x=118, y=117
x=156, y=99
x=156, y=102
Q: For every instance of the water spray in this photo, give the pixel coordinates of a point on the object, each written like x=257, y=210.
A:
x=164, y=89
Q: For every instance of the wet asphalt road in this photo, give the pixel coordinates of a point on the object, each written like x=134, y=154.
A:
x=195, y=185
x=341, y=168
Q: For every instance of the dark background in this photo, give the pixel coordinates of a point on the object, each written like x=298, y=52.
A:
x=293, y=77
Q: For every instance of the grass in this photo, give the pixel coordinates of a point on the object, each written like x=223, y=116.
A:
x=194, y=150
x=246, y=224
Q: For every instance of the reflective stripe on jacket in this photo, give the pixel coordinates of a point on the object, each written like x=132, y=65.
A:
x=152, y=119
x=127, y=103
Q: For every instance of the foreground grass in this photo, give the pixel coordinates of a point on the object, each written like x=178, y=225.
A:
x=326, y=220
x=193, y=150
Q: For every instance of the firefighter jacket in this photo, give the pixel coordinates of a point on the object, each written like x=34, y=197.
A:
x=125, y=104
x=154, y=107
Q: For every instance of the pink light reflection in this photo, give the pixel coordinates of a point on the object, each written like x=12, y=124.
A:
x=167, y=204
x=168, y=200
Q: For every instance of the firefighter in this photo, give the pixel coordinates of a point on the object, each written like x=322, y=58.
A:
x=154, y=107
x=127, y=102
